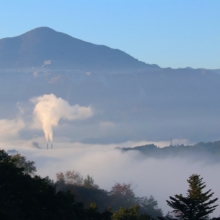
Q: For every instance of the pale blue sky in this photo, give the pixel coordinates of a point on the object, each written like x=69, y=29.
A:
x=170, y=33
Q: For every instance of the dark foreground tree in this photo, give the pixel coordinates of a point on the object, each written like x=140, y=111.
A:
x=22, y=162
x=197, y=205
x=121, y=195
x=31, y=197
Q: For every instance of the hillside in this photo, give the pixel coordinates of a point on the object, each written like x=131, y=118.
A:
x=131, y=100
x=203, y=152
x=62, y=51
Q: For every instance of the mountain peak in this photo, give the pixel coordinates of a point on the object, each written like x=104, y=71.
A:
x=32, y=48
x=41, y=31
x=43, y=28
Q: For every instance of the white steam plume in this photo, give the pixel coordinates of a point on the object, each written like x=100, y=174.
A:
x=49, y=110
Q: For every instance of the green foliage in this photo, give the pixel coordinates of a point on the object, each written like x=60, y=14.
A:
x=121, y=195
x=24, y=195
x=31, y=197
x=149, y=206
x=196, y=187
x=22, y=162
x=89, y=183
x=4, y=157
x=197, y=204
x=86, y=195
x=124, y=190
x=70, y=177
x=93, y=214
x=131, y=213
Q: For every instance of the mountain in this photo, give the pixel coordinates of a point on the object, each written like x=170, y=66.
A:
x=46, y=46
x=203, y=152
x=216, y=71
x=131, y=100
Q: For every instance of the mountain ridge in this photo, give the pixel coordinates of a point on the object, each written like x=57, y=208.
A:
x=147, y=102
x=36, y=46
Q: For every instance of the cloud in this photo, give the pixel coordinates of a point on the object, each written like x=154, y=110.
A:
x=158, y=177
x=107, y=124
x=55, y=79
x=47, y=62
x=10, y=128
x=49, y=110
x=35, y=74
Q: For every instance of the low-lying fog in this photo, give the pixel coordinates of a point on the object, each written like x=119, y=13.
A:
x=107, y=165
x=53, y=119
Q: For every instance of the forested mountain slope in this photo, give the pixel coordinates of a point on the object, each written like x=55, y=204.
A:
x=207, y=152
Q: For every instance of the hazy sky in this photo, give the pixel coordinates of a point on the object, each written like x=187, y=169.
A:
x=168, y=33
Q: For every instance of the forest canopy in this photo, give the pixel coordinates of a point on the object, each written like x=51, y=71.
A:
x=209, y=152
x=24, y=195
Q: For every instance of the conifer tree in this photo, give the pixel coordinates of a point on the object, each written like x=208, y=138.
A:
x=197, y=205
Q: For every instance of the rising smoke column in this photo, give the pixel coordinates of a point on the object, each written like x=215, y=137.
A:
x=49, y=110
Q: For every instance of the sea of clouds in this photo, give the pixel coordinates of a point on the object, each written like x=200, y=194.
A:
x=104, y=162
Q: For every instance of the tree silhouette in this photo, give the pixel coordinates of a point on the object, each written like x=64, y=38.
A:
x=70, y=177
x=89, y=182
x=197, y=205
x=22, y=162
